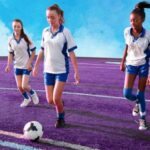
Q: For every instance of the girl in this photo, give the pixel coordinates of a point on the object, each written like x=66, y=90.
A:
x=136, y=55
x=56, y=41
x=19, y=50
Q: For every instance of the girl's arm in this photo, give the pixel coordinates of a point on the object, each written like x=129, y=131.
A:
x=9, y=62
x=122, y=65
x=148, y=79
x=75, y=67
x=37, y=62
x=29, y=64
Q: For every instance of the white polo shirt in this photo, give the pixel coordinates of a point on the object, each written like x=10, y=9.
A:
x=21, y=51
x=56, y=46
x=138, y=49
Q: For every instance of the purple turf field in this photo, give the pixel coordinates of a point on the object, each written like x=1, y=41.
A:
x=97, y=115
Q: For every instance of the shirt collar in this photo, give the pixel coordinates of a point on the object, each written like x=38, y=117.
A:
x=18, y=41
x=141, y=34
x=61, y=27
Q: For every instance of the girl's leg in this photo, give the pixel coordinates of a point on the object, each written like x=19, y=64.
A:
x=49, y=93
x=57, y=97
x=19, y=83
x=142, y=104
x=27, y=88
x=19, y=80
x=141, y=96
x=128, y=85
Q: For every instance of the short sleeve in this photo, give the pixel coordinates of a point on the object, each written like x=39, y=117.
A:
x=125, y=35
x=71, y=45
x=32, y=46
x=42, y=40
x=10, y=50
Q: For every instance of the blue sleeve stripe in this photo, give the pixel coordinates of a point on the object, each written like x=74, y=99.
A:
x=11, y=52
x=42, y=48
x=33, y=49
x=72, y=49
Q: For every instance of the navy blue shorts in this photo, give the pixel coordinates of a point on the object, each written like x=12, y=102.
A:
x=50, y=78
x=18, y=71
x=142, y=70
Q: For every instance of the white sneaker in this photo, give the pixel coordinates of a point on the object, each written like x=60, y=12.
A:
x=135, y=111
x=142, y=124
x=25, y=102
x=35, y=98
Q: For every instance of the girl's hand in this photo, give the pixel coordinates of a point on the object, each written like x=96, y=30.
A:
x=148, y=80
x=7, y=69
x=35, y=71
x=77, y=78
x=122, y=67
x=29, y=66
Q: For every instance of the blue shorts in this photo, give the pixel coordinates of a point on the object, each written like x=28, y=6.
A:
x=18, y=71
x=142, y=70
x=50, y=78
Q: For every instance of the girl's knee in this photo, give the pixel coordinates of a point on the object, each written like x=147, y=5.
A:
x=25, y=87
x=20, y=89
x=127, y=93
x=50, y=101
x=57, y=101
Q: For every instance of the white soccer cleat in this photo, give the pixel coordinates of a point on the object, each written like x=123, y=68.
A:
x=142, y=124
x=25, y=102
x=135, y=111
x=35, y=98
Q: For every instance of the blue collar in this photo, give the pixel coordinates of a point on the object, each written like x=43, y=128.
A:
x=141, y=34
x=61, y=27
x=18, y=41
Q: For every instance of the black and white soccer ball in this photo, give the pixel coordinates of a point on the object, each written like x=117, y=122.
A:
x=33, y=130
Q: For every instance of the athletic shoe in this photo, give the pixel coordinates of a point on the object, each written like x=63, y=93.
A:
x=25, y=102
x=60, y=123
x=35, y=98
x=142, y=124
x=135, y=111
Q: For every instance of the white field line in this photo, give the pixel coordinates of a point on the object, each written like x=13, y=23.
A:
x=113, y=62
x=102, y=67
x=76, y=93
x=100, y=64
x=16, y=146
x=46, y=141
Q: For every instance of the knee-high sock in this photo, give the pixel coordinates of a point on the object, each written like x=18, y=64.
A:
x=142, y=104
x=127, y=93
x=25, y=95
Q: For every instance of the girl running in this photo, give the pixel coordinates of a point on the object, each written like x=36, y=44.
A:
x=56, y=42
x=20, y=47
x=136, y=55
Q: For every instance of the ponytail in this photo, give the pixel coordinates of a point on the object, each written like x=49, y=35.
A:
x=142, y=5
x=139, y=9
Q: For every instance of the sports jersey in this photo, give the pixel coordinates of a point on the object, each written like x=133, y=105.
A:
x=56, y=47
x=20, y=50
x=138, y=48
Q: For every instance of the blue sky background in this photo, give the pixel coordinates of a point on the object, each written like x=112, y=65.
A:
x=96, y=25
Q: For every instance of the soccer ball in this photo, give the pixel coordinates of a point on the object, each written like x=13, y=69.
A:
x=33, y=130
